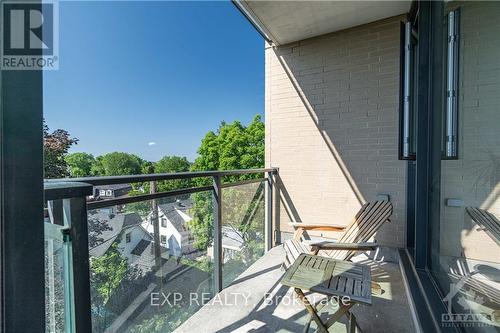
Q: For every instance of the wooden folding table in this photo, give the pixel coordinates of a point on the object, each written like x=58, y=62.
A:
x=345, y=282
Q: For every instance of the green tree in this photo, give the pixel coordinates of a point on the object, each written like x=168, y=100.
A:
x=55, y=147
x=80, y=164
x=233, y=146
x=107, y=273
x=117, y=164
x=168, y=164
x=172, y=164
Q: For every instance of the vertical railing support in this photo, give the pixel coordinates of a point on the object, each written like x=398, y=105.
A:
x=156, y=225
x=217, y=207
x=76, y=208
x=67, y=210
x=268, y=219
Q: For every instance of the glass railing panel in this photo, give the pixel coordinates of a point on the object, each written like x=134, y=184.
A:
x=58, y=288
x=242, y=228
x=150, y=263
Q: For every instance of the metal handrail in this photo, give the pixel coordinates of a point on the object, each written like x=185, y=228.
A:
x=75, y=192
x=145, y=197
x=110, y=180
x=54, y=190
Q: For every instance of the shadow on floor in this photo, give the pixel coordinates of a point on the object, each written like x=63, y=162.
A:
x=257, y=302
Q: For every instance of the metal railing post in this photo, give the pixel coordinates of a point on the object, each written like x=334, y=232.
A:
x=67, y=209
x=217, y=207
x=78, y=234
x=156, y=225
x=268, y=221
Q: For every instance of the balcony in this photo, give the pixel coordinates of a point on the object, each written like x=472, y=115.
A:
x=151, y=269
x=257, y=302
x=393, y=101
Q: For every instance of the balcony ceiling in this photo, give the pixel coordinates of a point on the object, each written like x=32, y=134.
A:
x=290, y=21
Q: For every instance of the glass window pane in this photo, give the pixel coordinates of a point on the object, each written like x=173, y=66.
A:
x=467, y=262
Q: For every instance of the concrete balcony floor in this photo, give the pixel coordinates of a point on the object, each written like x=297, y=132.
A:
x=257, y=302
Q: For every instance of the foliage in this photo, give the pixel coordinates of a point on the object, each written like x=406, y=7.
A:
x=95, y=229
x=201, y=225
x=147, y=167
x=167, y=164
x=243, y=213
x=143, y=208
x=233, y=146
x=79, y=164
x=110, y=278
x=107, y=272
x=171, y=164
x=55, y=147
x=204, y=264
x=116, y=164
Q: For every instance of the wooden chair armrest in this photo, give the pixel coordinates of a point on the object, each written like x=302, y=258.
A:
x=316, y=226
x=326, y=245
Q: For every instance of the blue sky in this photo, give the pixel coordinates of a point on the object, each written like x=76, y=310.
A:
x=133, y=73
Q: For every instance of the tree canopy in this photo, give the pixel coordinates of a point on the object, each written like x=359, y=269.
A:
x=55, y=147
x=233, y=146
x=116, y=164
x=172, y=164
x=80, y=164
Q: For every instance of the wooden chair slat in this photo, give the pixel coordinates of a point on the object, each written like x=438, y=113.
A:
x=359, y=227
x=357, y=287
x=362, y=228
x=487, y=221
x=349, y=286
x=341, y=285
x=377, y=214
x=358, y=222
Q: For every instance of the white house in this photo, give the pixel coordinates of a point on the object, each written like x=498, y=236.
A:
x=174, y=233
x=124, y=229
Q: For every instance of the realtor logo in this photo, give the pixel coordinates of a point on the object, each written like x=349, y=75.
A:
x=29, y=35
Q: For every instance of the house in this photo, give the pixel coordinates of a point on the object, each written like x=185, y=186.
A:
x=124, y=229
x=112, y=191
x=174, y=233
x=232, y=244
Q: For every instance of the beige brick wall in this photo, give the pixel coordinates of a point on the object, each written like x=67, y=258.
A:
x=475, y=176
x=332, y=126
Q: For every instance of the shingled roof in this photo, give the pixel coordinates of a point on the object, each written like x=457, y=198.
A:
x=116, y=223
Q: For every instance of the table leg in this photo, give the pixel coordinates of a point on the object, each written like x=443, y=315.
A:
x=312, y=312
x=351, y=323
x=318, y=306
x=307, y=325
x=343, y=310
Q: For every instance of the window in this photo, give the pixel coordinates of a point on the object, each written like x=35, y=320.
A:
x=163, y=223
x=450, y=130
x=408, y=91
x=163, y=239
x=128, y=237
